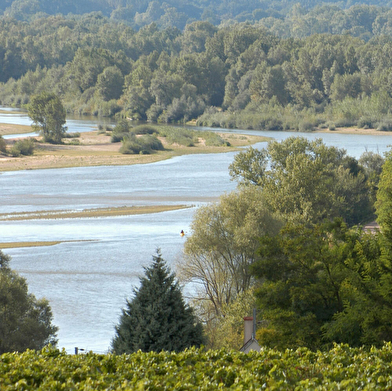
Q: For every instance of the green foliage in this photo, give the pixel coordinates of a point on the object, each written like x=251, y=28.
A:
x=181, y=136
x=48, y=115
x=25, y=322
x=384, y=200
x=222, y=246
x=144, y=144
x=145, y=129
x=306, y=181
x=157, y=317
x=121, y=130
x=23, y=147
x=341, y=367
x=3, y=145
x=227, y=330
x=321, y=285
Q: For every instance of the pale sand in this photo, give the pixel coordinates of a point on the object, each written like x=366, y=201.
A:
x=97, y=150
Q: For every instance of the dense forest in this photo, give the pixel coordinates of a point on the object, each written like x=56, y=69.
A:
x=175, y=13
x=322, y=67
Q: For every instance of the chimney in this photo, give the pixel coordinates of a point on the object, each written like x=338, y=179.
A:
x=248, y=323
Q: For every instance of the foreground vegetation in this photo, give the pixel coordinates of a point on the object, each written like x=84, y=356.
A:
x=340, y=368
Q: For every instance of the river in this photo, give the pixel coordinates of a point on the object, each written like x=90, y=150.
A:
x=88, y=278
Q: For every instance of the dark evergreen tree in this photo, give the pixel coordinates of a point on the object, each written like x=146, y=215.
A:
x=157, y=318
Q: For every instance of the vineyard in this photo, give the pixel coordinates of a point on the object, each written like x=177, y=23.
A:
x=340, y=368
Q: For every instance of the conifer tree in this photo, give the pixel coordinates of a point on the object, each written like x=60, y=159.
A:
x=157, y=318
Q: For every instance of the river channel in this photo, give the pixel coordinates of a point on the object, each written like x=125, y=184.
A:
x=88, y=278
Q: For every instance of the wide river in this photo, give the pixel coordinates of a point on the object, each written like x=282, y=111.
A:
x=88, y=278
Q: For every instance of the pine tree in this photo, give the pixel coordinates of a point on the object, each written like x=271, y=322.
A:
x=157, y=318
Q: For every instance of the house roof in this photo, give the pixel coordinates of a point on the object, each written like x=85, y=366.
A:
x=252, y=344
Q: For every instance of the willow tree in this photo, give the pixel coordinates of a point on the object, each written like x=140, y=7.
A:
x=222, y=246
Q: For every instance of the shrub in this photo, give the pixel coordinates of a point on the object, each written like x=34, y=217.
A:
x=306, y=126
x=72, y=135
x=181, y=136
x=366, y=122
x=385, y=125
x=3, y=147
x=144, y=144
x=144, y=129
x=214, y=140
x=23, y=147
x=121, y=129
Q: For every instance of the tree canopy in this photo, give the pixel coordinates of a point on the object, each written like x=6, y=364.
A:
x=25, y=322
x=48, y=115
x=306, y=181
x=157, y=317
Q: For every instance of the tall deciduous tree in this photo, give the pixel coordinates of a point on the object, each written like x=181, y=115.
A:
x=223, y=245
x=25, y=322
x=306, y=180
x=157, y=318
x=48, y=115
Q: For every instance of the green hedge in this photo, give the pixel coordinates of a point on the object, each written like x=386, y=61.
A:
x=342, y=368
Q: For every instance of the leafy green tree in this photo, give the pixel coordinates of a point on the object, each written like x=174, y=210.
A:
x=3, y=146
x=157, y=317
x=25, y=322
x=48, y=115
x=321, y=285
x=223, y=244
x=306, y=180
x=110, y=83
x=384, y=202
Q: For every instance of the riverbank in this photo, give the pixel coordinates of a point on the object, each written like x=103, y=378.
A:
x=370, y=132
x=7, y=129
x=94, y=149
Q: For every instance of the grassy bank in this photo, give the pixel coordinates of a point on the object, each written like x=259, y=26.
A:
x=94, y=149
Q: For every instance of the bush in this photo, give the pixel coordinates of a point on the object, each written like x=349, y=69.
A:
x=23, y=147
x=306, y=126
x=3, y=146
x=145, y=129
x=117, y=137
x=121, y=130
x=214, y=140
x=144, y=144
x=366, y=122
x=72, y=135
x=385, y=125
x=181, y=136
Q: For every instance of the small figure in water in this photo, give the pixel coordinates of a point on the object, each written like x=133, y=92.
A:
x=182, y=233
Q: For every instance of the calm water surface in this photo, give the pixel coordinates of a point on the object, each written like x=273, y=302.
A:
x=88, y=278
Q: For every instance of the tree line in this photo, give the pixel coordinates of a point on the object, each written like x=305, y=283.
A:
x=176, y=13
x=235, y=76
